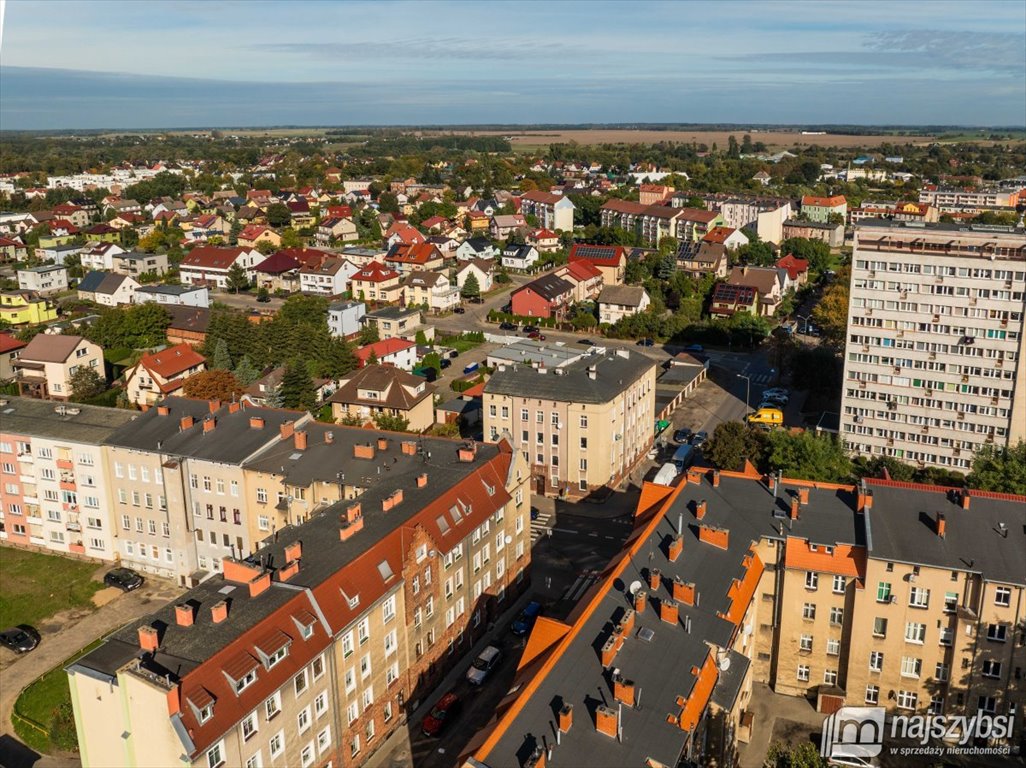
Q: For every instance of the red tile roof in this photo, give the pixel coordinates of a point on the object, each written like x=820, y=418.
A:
x=383, y=348
x=9, y=343
x=719, y=234
x=537, y=196
x=172, y=361
x=253, y=231
x=277, y=264
x=582, y=270
x=212, y=257
x=417, y=253
x=824, y=202
x=794, y=266
x=375, y=272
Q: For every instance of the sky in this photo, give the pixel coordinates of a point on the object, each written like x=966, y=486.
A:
x=68, y=64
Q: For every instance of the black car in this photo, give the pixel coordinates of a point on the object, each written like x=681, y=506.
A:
x=507, y=327
x=124, y=579
x=586, y=342
x=645, y=342
x=682, y=436
x=530, y=329
x=459, y=310
x=699, y=438
x=20, y=639
x=445, y=363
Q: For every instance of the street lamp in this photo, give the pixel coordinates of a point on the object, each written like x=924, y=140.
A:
x=805, y=318
x=748, y=389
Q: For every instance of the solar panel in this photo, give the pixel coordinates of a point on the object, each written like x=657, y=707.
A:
x=595, y=251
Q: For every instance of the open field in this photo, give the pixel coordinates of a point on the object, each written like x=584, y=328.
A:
x=34, y=587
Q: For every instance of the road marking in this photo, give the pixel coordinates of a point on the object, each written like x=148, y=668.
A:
x=593, y=534
x=571, y=588
x=565, y=530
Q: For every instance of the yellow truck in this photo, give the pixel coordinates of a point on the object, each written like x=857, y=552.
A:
x=772, y=417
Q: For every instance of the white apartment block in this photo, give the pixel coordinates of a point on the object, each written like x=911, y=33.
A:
x=933, y=364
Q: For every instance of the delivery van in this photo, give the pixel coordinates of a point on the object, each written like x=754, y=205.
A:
x=773, y=417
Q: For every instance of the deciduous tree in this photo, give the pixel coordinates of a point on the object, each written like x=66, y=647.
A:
x=86, y=383
x=215, y=384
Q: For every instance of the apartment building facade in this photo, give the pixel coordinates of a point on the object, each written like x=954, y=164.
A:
x=933, y=364
x=555, y=212
x=55, y=495
x=313, y=650
x=957, y=197
x=581, y=426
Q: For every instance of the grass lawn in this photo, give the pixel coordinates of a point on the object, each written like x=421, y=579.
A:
x=38, y=702
x=34, y=586
x=460, y=343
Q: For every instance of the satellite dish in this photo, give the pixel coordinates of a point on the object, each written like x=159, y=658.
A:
x=724, y=664
x=508, y=539
x=748, y=629
x=634, y=588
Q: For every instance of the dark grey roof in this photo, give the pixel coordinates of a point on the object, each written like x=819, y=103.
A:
x=613, y=374
x=41, y=418
x=91, y=281
x=548, y=287
x=169, y=290
x=902, y=523
x=479, y=243
x=622, y=295
x=392, y=312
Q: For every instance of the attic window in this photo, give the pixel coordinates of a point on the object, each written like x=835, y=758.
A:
x=421, y=553
x=206, y=713
x=247, y=680
x=352, y=601
x=295, y=456
x=489, y=488
x=646, y=634
x=443, y=524
x=385, y=570
x=454, y=510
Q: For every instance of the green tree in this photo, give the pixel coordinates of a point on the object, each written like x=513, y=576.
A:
x=233, y=233
x=262, y=293
x=290, y=238
x=279, y=215
x=297, y=386
x=816, y=252
x=831, y=313
x=732, y=442
x=368, y=334
x=392, y=423
x=274, y=399
x=471, y=287
x=245, y=372
x=802, y=755
x=221, y=357
x=875, y=466
x=237, y=279
x=214, y=384
x=86, y=383
x=1001, y=469
x=809, y=456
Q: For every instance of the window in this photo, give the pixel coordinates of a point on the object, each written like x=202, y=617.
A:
x=206, y=713
x=347, y=645
x=321, y=703
x=300, y=682
x=872, y=694
x=950, y=602
x=249, y=726
x=350, y=680
x=255, y=761
x=261, y=495
x=837, y=616
x=907, y=699
x=876, y=661
x=833, y=647
x=803, y=673
x=805, y=643
x=911, y=667
x=1003, y=596
x=303, y=719
x=879, y=627
x=353, y=712
x=915, y=632
x=368, y=729
x=839, y=583
x=811, y=580
x=306, y=755
x=986, y=704
x=247, y=680
x=919, y=597
x=354, y=747
x=809, y=611
x=946, y=635
x=830, y=676
x=392, y=674
x=365, y=667
x=277, y=744
x=883, y=592
x=936, y=706
x=387, y=713
x=992, y=668
x=941, y=672
x=391, y=643
x=368, y=697
x=215, y=755
x=388, y=610
x=324, y=739
x=997, y=632
x=363, y=630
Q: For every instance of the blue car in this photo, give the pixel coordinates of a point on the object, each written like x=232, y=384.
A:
x=523, y=623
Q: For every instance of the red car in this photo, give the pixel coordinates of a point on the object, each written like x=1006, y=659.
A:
x=536, y=335
x=444, y=711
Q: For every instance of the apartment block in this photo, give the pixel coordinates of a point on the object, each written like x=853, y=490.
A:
x=313, y=650
x=553, y=211
x=54, y=493
x=581, y=426
x=969, y=197
x=933, y=365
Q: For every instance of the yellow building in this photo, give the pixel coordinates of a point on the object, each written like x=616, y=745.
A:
x=26, y=308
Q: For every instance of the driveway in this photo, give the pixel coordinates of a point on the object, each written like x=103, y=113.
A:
x=64, y=635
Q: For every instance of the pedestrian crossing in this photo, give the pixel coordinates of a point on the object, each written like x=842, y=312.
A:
x=541, y=526
x=583, y=583
x=762, y=378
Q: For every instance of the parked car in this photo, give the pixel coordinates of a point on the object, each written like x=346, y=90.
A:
x=776, y=397
x=771, y=416
x=441, y=714
x=523, y=623
x=538, y=336
x=484, y=665
x=682, y=436
x=699, y=438
x=531, y=329
x=694, y=348
x=459, y=310
x=124, y=579
x=445, y=363
x=20, y=639
x=586, y=342
x=646, y=342
x=471, y=368
x=774, y=391
x=507, y=327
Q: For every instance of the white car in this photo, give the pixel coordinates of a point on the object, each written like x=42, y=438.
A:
x=776, y=392
x=483, y=665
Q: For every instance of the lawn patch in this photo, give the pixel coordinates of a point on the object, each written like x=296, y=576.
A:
x=34, y=586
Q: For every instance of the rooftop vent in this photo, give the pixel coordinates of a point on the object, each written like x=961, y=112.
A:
x=646, y=634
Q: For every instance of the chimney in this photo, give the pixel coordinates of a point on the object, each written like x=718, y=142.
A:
x=676, y=547
x=219, y=612
x=683, y=591
x=537, y=759
x=609, y=649
x=422, y=480
x=710, y=534
x=965, y=499
x=627, y=621
x=293, y=551
x=566, y=717
x=163, y=410
x=300, y=439
x=408, y=448
x=668, y=611
x=256, y=422
x=286, y=430
x=209, y=423
x=329, y=438
x=640, y=601
x=700, y=509
x=183, y=615
x=654, y=579
x=363, y=451
x=623, y=690
x=467, y=452
x=234, y=407
x=865, y=498
x=239, y=570
x=771, y=481
x=795, y=506
x=288, y=571
x=186, y=422
x=213, y=405
x=605, y=721
x=260, y=583
x=942, y=525
x=149, y=639
x=592, y=372
x=382, y=443
x=803, y=496
x=351, y=527
x=716, y=478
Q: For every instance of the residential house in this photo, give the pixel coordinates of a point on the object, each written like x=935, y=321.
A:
x=763, y=215
x=395, y=321
x=377, y=390
x=336, y=229
x=584, y=276
x=344, y=318
x=434, y=224
x=476, y=221
x=401, y=353
x=519, y=256
x=174, y=295
x=544, y=297
x=328, y=276
x=188, y=325
x=502, y=226
x=702, y=258
x=26, y=308
x=73, y=213
x=108, y=288
x=476, y=248
x=208, y=225
x=727, y=300
x=160, y=374
x=432, y=290
x=446, y=244
x=45, y=280
x=483, y=271
x=135, y=263
x=256, y=234
x=831, y=234
x=46, y=364
x=100, y=257
x=261, y=390
x=402, y=232
x=12, y=250
x=552, y=211
x=301, y=215
x=696, y=223
x=10, y=348
x=544, y=240
x=821, y=208
x=611, y=260
x=278, y=272
x=763, y=178
x=652, y=194
x=376, y=282
x=209, y=265
x=729, y=238
x=404, y=259
x=797, y=271
x=770, y=282
x=361, y=257
x=101, y=233
x=124, y=206
x=618, y=301
x=127, y=221
x=900, y=211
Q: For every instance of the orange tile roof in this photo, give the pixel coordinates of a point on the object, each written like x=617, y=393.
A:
x=172, y=361
x=545, y=633
x=696, y=701
x=845, y=560
x=741, y=592
x=824, y=202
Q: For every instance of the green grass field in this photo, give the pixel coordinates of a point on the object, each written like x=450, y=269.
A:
x=34, y=586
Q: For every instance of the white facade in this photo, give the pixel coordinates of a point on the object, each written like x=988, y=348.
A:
x=344, y=317
x=185, y=296
x=933, y=366
x=100, y=258
x=123, y=294
x=44, y=280
x=321, y=283
x=484, y=279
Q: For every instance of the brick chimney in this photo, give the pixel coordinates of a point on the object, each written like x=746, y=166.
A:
x=965, y=499
x=329, y=437
x=214, y=405
x=668, y=611
x=184, y=615
x=163, y=410
x=640, y=601
x=286, y=430
x=683, y=591
x=865, y=498
x=293, y=551
x=771, y=481
x=422, y=480
x=627, y=621
x=655, y=579
x=605, y=721
x=353, y=511
x=803, y=496
x=566, y=717
x=700, y=509
x=623, y=690
x=382, y=443
x=716, y=478
x=718, y=537
x=350, y=528
x=795, y=506
x=676, y=548
x=234, y=406
x=149, y=639
x=363, y=451
x=300, y=438
x=260, y=583
x=609, y=649
x=466, y=454
x=219, y=612
x=186, y=422
x=209, y=423
x=256, y=422
x=942, y=525
x=408, y=448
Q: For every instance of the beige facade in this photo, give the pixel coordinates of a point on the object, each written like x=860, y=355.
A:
x=45, y=367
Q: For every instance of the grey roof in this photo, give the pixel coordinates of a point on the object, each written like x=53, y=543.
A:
x=139, y=256
x=101, y=282
x=392, y=312
x=41, y=418
x=902, y=525
x=342, y=306
x=548, y=287
x=169, y=290
x=44, y=268
x=613, y=374
x=540, y=352
x=91, y=281
x=622, y=295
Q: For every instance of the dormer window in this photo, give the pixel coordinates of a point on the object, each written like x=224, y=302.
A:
x=275, y=657
x=206, y=713
x=247, y=680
